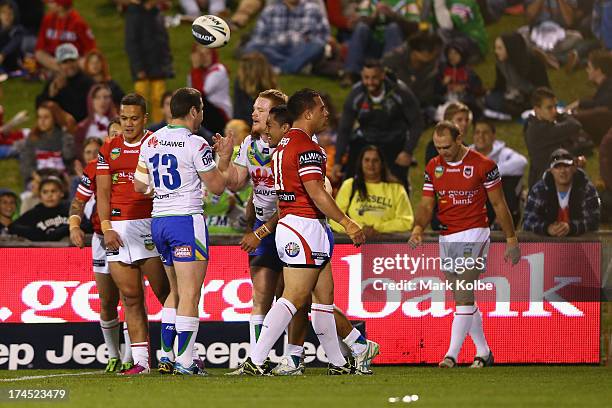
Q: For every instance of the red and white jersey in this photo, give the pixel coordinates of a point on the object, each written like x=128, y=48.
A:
x=297, y=158
x=119, y=159
x=87, y=191
x=461, y=189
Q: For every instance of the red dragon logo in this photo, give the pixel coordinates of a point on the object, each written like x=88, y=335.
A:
x=262, y=178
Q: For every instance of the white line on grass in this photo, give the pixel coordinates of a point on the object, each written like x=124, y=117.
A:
x=37, y=377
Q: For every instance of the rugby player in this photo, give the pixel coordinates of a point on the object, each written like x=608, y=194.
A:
x=303, y=237
x=463, y=179
x=179, y=161
x=125, y=221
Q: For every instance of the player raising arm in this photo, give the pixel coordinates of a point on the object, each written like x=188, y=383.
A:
x=179, y=161
x=463, y=179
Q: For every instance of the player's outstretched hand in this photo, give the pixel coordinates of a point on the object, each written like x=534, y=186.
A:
x=512, y=253
x=249, y=242
x=77, y=237
x=416, y=238
x=354, y=231
x=112, y=240
x=224, y=146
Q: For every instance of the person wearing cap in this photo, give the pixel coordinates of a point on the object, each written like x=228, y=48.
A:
x=564, y=202
x=61, y=24
x=70, y=86
x=48, y=221
x=8, y=209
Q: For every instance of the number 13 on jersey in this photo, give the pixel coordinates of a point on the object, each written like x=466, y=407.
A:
x=169, y=163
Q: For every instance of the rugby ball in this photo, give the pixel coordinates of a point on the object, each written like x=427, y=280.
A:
x=210, y=31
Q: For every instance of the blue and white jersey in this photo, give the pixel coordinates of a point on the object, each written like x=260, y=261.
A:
x=256, y=156
x=174, y=156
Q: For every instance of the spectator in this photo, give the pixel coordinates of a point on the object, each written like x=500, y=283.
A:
x=461, y=115
x=193, y=8
x=374, y=198
x=12, y=138
x=48, y=145
x=342, y=14
x=383, y=112
x=165, y=100
x=601, y=25
x=148, y=48
x=254, y=76
x=517, y=74
x=327, y=138
x=511, y=165
x=62, y=24
x=96, y=67
x=461, y=21
x=30, y=197
x=379, y=31
x=8, y=210
x=211, y=78
x=11, y=37
x=70, y=86
x=416, y=64
x=31, y=13
x=459, y=81
x=101, y=111
x=564, y=202
x=595, y=113
x=48, y=221
x=291, y=34
x=605, y=170
x=546, y=132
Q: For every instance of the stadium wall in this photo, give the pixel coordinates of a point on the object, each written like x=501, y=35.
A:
x=49, y=294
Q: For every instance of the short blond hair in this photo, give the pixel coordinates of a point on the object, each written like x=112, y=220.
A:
x=276, y=96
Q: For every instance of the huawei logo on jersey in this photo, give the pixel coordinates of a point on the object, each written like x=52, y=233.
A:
x=262, y=178
x=152, y=142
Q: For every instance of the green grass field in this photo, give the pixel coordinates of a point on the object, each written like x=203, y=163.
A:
x=511, y=386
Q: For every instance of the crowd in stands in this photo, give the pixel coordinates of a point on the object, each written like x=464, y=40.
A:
x=408, y=64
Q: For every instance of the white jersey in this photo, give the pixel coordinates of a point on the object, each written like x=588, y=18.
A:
x=174, y=156
x=256, y=156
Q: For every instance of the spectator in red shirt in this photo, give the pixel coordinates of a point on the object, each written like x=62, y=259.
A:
x=62, y=24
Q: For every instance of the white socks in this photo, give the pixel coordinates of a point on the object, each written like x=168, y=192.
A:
x=186, y=331
x=461, y=325
x=140, y=352
x=275, y=322
x=111, y=330
x=356, y=342
x=127, y=347
x=324, y=325
x=255, y=323
x=477, y=335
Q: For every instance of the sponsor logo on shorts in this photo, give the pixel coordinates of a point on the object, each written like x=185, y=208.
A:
x=115, y=153
x=468, y=171
x=110, y=252
x=292, y=249
x=148, y=243
x=320, y=255
x=438, y=171
x=184, y=251
x=99, y=262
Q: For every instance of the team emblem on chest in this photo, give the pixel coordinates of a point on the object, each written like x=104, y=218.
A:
x=468, y=171
x=439, y=170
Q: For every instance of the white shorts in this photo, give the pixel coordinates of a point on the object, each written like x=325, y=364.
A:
x=98, y=254
x=303, y=242
x=137, y=241
x=465, y=248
